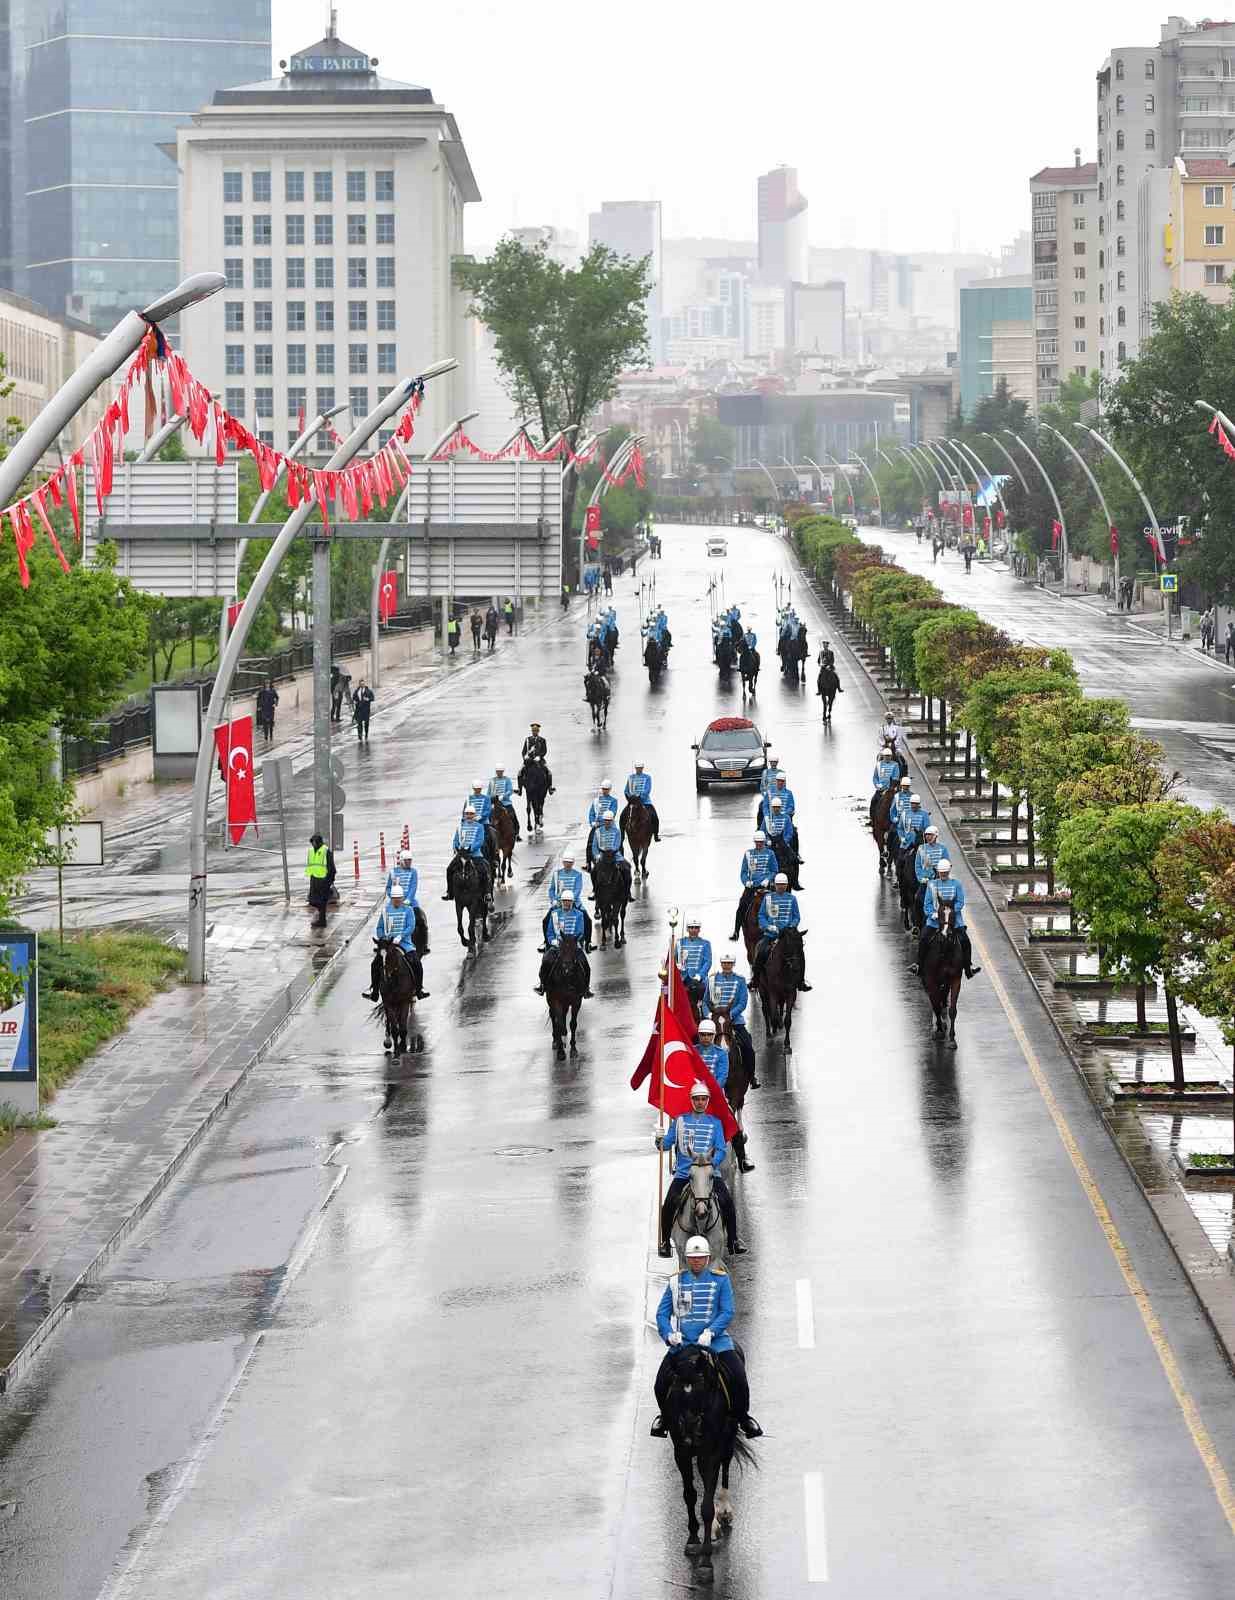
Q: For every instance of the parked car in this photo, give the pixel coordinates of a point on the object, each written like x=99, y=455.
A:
x=718, y=545
x=732, y=754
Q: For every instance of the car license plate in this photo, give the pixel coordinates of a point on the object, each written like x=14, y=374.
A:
x=730, y=772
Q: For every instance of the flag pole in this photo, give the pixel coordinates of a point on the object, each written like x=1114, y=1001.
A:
x=666, y=1003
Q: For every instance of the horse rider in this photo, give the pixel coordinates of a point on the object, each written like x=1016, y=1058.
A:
x=483, y=806
x=729, y=989
x=892, y=733
x=566, y=920
x=470, y=840
x=926, y=862
x=911, y=824
x=696, y=1309
x=694, y=959
x=780, y=791
x=716, y=1058
x=757, y=871
x=900, y=800
x=750, y=638
x=639, y=787
x=535, y=748
x=500, y=793
x=696, y=1133
x=396, y=921
x=567, y=877
x=826, y=656
x=885, y=776
x=768, y=781
x=606, y=836
x=604, y=805
x=405, y=873
x=778, y=910
x=944, y=889
x=779, y=825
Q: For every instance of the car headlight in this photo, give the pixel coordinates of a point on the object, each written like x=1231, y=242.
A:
x=704, y=765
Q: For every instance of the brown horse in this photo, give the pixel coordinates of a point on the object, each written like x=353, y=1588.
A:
x=636, y=826
x=738, y=1083
x=881, y=826
x=750, y=925
x=502, y=822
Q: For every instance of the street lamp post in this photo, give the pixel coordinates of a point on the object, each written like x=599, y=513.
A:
x=624, y=452
x=970, y=454
x=1149, y=510
x=1094, y=485
x=1063, y=526
x=874, y=485
x=397, y=397
x=769, y=477
x=810, y=461
x=160, y=437
x=915, y=466
x=1010, y=459
x=924, y=456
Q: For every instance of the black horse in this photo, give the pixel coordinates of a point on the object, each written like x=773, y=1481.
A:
x=705, y=1437
x=724, y=655
x=565, y=984
x=611, y=883
x=599, y=657
x=907, y=878
x=943, y=970
x=469, y=893
x=654, y=658
x=788, y=860
x=748, y=666
x=596, y=693
x=534, y=786
x=778, y=984
x=827, y=686
x=397, y=988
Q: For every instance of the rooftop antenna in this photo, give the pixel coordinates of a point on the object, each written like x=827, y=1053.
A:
x=332, y=31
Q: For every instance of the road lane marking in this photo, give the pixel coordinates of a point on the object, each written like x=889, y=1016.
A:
x=816, y=1537
x=806, y=1315
x=1162, y=1348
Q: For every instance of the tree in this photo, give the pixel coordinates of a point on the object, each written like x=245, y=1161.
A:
x=562, y=334
x=1107, y=859
x=1060, y=738
x=1132, y=774
x=992, y=709
x=999, y=410
x=708, y=441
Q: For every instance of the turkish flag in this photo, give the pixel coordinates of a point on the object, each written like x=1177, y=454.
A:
x=388, y=596
x=300, y=421
x=1056, y=533
x=683, y=1066
x=234, y=743
x=591, y=526
x=1000, y=519
x=967, y=515
x=1114, y=540
x=233, y=611
x=986, y=525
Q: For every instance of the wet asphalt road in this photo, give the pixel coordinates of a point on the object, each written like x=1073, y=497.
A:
x=389, y=1328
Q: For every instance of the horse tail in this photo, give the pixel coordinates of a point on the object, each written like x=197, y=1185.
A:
x=743, y=1454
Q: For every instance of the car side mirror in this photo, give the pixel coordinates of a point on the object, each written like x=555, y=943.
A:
x=694, y=747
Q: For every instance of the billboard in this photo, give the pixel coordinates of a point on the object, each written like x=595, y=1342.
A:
x=19, y=1025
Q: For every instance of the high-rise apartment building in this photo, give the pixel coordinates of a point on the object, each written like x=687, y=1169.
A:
x=632, y=228
x=1154, y=102
x=996, y=339
x=1066, y=295
x=333, y=200
x=784, y=254
x=87, y=201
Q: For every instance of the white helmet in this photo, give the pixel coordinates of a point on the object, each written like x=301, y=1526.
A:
x=405, y=854
x=782, y=777
x=915, y=799
x=772, y=760
x=905, y=784
x=607, y=783
x=932, y=832
x=477, y=785
x=697, y=1245
x=760, y=836
x=707, y=1026
x=944, y=866
x=568, y=857
x=498, y=770
x=778, y=805
x=700, y=1088
x=638, y=766
x=568, y=895
x=693, y=921
x=727, y=959
x=396, y=891
x=781, y=878
x=469, y=811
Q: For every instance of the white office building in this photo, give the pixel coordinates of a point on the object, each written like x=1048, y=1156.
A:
x=632, y=228
x=332, y=199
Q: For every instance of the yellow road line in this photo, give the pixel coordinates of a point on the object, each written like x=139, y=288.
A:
x=1170, y=1366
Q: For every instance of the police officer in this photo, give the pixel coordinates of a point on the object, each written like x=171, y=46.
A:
x=565, y=921
x=696, y=1132
x=778, y=910
x=696, y=1309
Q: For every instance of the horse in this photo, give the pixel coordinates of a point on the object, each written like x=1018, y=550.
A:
x=599, y=657
x=534, y=786
x=787, y=860
x=724, y=654
x=564, y=988
x=751, y=933
x=881, y=825
x=699, y=1210
x=778, y=984
x=596, y=693
x=748, y=666
x=907, y=880
x=943, y=969
x=654, y=659
x=636, y=826
x=397, y=988
x=827, y=686
x=502, y=821
x=705, y=1436
x=469, y=895
x=612, y=889
x=741, y=1077
x=801, y=651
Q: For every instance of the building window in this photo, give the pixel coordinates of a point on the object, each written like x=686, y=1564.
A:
x=295, y=358
x=233, y=400
x=384, y=187
x=1078, y=224
x=385, y=272
x=233, y=360
x=325, y=401
x=261, y=228
x=1078, y=347
x=297, y=399
x=295, y=272
x=233, y=188
x=386, y=316
x=293, y=228
x=1078, y=272
x=1121, y=353
x=1102, y=327
x=233, y=272
x=1078, y=322
x=358, y=316
x=1101, y=192
x=1215, y=273
x=1101, y=259
x=323, y=230
x=325, y=359
x=263, y=316
x=384, y=228
x=323, y=272
x=358, y=359
x=386, y=358
x=1078, y=249
x=1121, y=316
x=1119, y=175
x=233, y=232
x=266, y=435
x=1121, y=211
x=1101, y=126
x=1119, y=105
x=1120, y=249
x=1149, y=105
x=233, y=316
x=1215, y=233
x=263, y=359
x=1078, y=197
x=324, y=314
x=1078, y=297
x=295, y=316
x=1150, y=139
x=323, y=188
x=261, y=188
x=1119, y=70
x=1121, y=281
x=1119, y=139
x=359, y=400
x=356, y=231
x=1149, y=67
x=1101, y=293
x=262, y=273
x=357, y=272
x=293, y=188
x=356, y=188
x=263, y=402
x=1215, y=194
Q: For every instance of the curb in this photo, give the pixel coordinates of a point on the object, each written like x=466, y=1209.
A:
x=1208, y=1273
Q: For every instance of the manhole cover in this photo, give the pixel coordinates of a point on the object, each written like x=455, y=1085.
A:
x=523, y=1151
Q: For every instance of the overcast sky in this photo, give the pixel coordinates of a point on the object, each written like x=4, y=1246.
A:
x=912, y=126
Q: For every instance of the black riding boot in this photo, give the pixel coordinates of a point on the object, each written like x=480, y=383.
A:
x=655, y=822
x=739, y=1149
x=375, y=978
x=967, y=953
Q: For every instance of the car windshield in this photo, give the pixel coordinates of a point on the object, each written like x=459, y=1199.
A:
x=731, y=739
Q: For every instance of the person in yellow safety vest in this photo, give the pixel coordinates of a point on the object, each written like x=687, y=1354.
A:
x=320, y=871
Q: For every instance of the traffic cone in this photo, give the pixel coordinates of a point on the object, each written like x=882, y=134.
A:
x=381, y=844
x=356, y=858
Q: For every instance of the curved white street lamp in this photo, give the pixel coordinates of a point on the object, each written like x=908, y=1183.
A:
x=1063, y=526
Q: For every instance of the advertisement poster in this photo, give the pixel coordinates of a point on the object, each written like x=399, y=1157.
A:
x=19, y=1032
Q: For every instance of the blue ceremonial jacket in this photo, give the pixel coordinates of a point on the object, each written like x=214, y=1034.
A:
x=777, y=911
x=927, y=859
x=470, y=836
x=396, y=925
x=639, y=786
x=788, y=804
x=758, y=865
x=562, y=922
x=703, y=1300
x=601, y=807
x=886, y=774
x=482, y=804
x=501, y=789
x=768, y=782
x=695, y=957
x=565, y=878
x=694, y=1134
x=728, y=989
x=778, y=826
x=716, y=1059
x=409, y=877
x=606, y=837
x=942, y=889
x=910, y=824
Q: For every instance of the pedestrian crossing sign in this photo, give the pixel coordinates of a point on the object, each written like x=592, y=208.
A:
x=1169, y=582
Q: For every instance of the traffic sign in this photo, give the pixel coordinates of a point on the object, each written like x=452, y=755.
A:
x=1168, y=582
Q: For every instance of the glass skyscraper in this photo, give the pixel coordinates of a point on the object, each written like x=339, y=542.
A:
x=88, y=222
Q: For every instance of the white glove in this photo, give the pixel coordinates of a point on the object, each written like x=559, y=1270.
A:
x=675, y=1337
x=705, y=1339
x=656, y=1140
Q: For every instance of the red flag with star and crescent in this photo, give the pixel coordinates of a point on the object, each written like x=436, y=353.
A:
x=671, y=1043
x=388, y=595
x=234, y=743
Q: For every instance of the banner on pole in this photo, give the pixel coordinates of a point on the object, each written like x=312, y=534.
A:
x=388, y=595
x=234, y=743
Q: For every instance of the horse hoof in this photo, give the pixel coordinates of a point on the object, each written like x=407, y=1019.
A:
x=952, y=1044
x=386, y=1044
x=574, y=1051
x=693, y=1547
